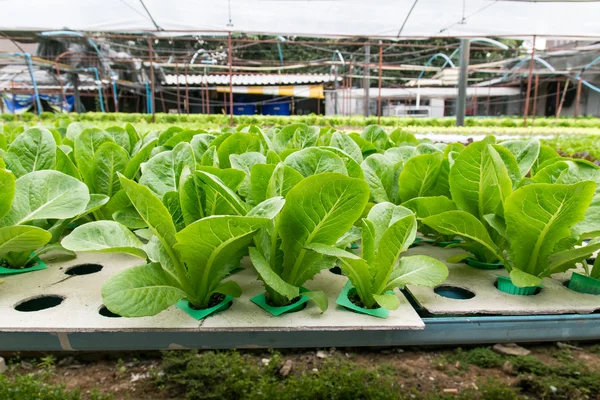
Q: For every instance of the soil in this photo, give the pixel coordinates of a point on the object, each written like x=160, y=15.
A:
x=355, y=299
x=269, y=301
x=215, y=299
x=425, y=371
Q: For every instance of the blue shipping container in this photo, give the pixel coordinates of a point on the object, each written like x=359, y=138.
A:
x=276, y=109
x=244, y=109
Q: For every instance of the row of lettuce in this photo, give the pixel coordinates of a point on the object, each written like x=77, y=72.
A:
x=311, y=119
x=192, y=203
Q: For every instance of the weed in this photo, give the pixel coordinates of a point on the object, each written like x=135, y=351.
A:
x=48, y=362
x=482, y=357
x=31, y=386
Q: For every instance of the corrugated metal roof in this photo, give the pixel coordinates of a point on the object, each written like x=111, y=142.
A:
x=251, y=79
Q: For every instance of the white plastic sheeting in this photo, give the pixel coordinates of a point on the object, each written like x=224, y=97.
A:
x=374, y=18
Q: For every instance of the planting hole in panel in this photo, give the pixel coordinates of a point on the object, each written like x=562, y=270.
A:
x=84, y=269
x=39, y=303
x=454, y=292
x=336, y=270
x=105, y=312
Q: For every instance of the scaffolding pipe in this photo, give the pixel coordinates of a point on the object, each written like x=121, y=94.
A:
x=379, y=93
x=529, y=78
x=562, y=100
x=535, y=95
x=151, y=78
x=114, y=88
x=187, y=91
x=178, y=92
x=367, y=80
x=578, y=97
x=98, y=85
x=463, y=75
x=38, y=103
x=230, y=51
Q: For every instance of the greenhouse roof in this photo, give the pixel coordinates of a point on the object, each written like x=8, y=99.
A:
x=376, y=18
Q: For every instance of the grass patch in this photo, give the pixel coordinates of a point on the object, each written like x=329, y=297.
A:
x=33, y=386
x=231, y=375
x=482, y=357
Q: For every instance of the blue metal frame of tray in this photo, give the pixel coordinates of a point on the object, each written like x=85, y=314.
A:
x=438, y=331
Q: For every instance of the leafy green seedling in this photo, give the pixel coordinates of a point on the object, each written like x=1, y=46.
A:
x=387, y=232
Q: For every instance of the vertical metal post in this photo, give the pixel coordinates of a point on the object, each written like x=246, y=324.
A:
x=463, y=77
x=207, y=97
x=36, y=93
x=162, y=101
x=351, y=69
x=557, y=97
x=151, y=78
x=62, y=87
x=380, y=72
x=578, y=97
x=187, y=91
x=203, y=93
x=487, y=107
x=75, y=83
x=335, y=91
x=177, y=75
x=115, y=98
x=531, y=62
x=229, y=49
x=562, y=99
x=535, y=95
x=104, y=95
x=366, y=79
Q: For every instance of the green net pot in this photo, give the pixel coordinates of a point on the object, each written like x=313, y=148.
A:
x=261, y=301
x=344, y=301
x=505, y=285
x=184, y=305
x=584, y=284
x=472, y=262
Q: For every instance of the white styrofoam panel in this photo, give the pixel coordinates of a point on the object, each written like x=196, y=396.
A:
x=554, y=298
x=79, y=311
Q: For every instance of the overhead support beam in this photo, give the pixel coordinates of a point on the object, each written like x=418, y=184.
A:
x=463, y=75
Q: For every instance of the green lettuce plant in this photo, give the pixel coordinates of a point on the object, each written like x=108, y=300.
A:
x=319, y=209
x=35, y=209
x=387, y=232
x=537, y=224
x=190, y=264
x=481, y=178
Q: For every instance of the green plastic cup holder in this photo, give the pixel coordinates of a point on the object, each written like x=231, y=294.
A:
x=472, y=262
x=38, y=265
x=584, y=284
x=261, y=301
x=505, y=285
x=416, y=242
x=345, y=302
x=184, y=305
